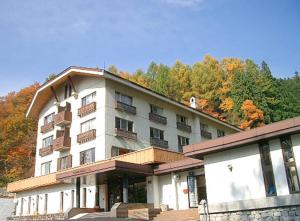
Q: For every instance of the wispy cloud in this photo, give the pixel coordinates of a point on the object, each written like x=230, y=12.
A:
x=184, y=3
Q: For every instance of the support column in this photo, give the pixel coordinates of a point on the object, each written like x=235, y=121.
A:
x=125, y=188
x=155, y=187
x=97, y=191
x=78, y=192
x=175, y=190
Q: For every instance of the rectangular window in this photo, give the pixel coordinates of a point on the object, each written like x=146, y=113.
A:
x=68, y=90
x=220, y=133
x=46, y=203
x=182, y=141
x=156, y=133
x=88, y=99
x=87, y=125
x=64, y=162
x=123, y=124
x=123, y=98
x=116, y=151
x=203, y=127
x=48, y=141
x=267, y=169
x=181, y=119
x=49, y=118
x=87, y=156
x=290, y=164
x=45, y=168
x=156, y=110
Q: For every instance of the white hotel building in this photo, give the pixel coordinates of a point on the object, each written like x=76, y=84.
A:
x=103, y=139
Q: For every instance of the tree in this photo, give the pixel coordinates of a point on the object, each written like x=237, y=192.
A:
x=253, y=116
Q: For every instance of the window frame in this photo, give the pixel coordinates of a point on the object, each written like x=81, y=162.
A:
x=68, y=90
x=119, y=123
x=49, y=168
x=182, y=119
x=84, y=100
x=155, y=109
x=81, y=157
x=48, y=116
x=220, y=133
x=91, y=125
x=160, y=133
x=45, y=141
x=123, y=98
x=180, y=145
x=204, y=127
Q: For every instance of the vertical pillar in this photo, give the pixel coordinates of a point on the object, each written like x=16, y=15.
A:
x=78, y=192
x=97, y=192
x=175, y=189
x=155, y=187
x=125, y=188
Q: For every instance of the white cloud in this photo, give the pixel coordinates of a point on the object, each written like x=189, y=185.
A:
x=184, y=3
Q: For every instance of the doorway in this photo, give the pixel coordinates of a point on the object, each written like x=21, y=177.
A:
x=196, y=190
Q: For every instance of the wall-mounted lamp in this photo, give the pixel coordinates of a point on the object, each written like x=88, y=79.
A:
x=229, y=166
x=90, y=190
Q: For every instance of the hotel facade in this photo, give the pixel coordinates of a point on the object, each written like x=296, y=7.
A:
x=103, y=140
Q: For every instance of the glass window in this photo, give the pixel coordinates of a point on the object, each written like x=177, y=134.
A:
x=116, y=151
x=156, y=133
x=123, y=124
x=87, y=156
x=48, y=141
x=68, y=90
x=182, y=141
x=181, y=119
x=64, y=162
x=45, y=168
x=123, y=98
x=290, y=164
x=49, y=118
x=88, y=99
x=267, y=169
x=156, y=110
x=203, y=127
x=87, y=125
x=220, y=133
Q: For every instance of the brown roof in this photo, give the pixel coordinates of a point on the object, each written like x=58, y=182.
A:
x=179, y=165
x=273, y=130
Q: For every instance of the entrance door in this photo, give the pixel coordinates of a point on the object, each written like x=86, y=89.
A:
x=197, y=189
x=115, y=192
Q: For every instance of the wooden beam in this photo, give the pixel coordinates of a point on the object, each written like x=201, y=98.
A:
x=72, y=84
x=53, y=92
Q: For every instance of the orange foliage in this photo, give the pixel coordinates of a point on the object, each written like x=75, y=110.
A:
x=253, y=116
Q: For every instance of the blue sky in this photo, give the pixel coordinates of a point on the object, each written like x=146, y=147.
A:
x=42, y=37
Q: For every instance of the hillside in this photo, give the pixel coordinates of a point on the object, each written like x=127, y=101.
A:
x=240, y=92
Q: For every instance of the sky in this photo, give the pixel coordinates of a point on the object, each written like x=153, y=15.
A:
x=39, y=37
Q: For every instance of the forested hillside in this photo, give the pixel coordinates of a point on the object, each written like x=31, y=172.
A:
x=240, y=92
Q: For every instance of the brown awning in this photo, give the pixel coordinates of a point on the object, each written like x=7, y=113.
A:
x=105, y=167
x=180, y=165
x=278, y=129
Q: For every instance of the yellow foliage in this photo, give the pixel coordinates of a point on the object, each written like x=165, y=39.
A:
x=253, y=115
x=227, y=104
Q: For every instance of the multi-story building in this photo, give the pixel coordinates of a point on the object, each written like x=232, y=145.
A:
x=100, y=140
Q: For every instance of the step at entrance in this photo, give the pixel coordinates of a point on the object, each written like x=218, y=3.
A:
x=178, y=215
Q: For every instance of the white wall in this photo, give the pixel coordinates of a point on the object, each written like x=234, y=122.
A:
x=296, y=149
x=245, y=181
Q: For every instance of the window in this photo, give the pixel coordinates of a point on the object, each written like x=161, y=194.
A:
x=123, y=124
x=182, y=141
x=45, y=168
x=87, y=125
x=181, y=119
x=64, y=162
x=220, y=133
x=88, y=99
x=156, y=133
x=68, y=90
x=48, y=141
x=87, y=156
x=123, y=98
x=290, y=164
x=116, y=151
x=49, y=118
x=46, y=203
x=267, y=169
x=203, y=127
x=156, y=110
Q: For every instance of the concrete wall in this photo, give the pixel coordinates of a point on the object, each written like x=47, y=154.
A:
x=6, y=208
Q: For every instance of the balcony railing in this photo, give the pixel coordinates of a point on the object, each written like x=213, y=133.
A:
x=126, y=134
x=184, y=127
x=62, y=143
x=157, y=118
x=206, y=134
x=125, y=107
x=158, y=142
x=63, y=118
x=47, y=127
x=87, y=109
x=86, y=136
x=44, y=151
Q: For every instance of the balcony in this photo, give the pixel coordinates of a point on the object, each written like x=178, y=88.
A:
x=87, y=109
x=47, y=127
x=44, y=151
x=125, y=107
x=64, y=115
x=206, y=134
x=86, y=136
x=184, y=127
x=157, y=118
x=126, y=134
x=158, y=142
x=62, y=141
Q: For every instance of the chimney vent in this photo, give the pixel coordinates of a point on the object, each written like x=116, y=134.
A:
x=193, y=103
